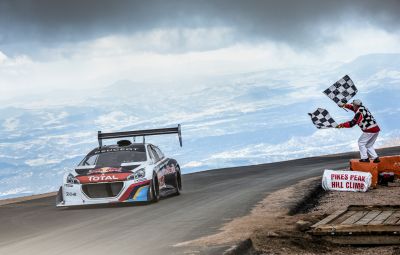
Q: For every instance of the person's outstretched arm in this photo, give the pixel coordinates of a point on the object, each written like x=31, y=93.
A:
x=349, y=124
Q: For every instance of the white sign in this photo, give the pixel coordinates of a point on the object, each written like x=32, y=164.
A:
x=346, y=180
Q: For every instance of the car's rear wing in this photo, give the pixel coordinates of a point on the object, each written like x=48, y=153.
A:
x=160, y=131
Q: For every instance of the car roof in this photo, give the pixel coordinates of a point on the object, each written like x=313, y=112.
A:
x=131, y=145
x=115, y=146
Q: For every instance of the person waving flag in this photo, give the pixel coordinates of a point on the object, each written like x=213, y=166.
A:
x=364, y=119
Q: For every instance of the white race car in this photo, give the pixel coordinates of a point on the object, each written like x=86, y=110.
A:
x=125, y=172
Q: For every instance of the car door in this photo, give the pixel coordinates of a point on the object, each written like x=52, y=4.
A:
x=168, y=168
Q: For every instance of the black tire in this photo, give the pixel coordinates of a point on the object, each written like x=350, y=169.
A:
x=178, y=182
x=155, y=189
x=59, y=197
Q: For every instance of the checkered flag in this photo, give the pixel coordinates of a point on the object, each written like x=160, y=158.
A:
x=342, y=91
x=322, y=119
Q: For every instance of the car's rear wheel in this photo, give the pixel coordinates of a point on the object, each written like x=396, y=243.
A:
x=178, y=181
x=155, y=189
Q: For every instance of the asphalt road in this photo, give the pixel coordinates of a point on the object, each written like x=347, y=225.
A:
x=208, y=200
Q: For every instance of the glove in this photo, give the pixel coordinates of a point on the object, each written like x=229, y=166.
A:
x=339, y=126
x=341, y=104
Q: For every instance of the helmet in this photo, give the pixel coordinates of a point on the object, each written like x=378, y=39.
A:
x=357, y=102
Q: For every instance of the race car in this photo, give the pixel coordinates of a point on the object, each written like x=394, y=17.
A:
x=123, y=172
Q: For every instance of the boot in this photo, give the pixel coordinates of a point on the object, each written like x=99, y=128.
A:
x=364, y=160
x=377, y=160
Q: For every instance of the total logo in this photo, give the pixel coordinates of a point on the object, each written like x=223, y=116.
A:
x=99, y=178
x=103, y=178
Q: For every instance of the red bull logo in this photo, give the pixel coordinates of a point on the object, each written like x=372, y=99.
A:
x=105, y=170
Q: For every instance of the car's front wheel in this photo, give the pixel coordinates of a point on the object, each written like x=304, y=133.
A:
x=155, y=189
x=59, y=197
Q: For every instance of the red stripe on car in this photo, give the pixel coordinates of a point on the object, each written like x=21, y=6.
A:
x=128, y=191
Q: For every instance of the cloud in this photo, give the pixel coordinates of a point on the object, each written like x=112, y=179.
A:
x=192, y=164
x=115, y=120
x=51, y=119
x=11, y=124
x=297, y=23
x=321, y=142
x=14, y=191
x=49, y=45
x=100, y=62
x=41, y=161
x=3, y=57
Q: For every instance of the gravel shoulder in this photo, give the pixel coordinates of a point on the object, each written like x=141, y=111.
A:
x=287, y=234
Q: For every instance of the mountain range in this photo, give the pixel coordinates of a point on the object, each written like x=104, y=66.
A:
x=231, y=120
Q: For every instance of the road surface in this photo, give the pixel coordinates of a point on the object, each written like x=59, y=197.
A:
x=209, y=199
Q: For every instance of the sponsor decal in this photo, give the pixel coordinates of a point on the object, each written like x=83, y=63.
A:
x=96, y=178
x=161, y=180
x=118, y=149
x=131, y=191
x=105, y=170
x=70, y=194
x=165, y=170
x=170, y=169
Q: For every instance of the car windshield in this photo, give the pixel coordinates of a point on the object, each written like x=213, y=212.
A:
x=115, y=157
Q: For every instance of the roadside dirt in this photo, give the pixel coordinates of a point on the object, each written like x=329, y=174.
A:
x=277, y=225
x=289, y=237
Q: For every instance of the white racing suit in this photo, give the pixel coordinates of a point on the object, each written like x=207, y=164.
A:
x=364, y=119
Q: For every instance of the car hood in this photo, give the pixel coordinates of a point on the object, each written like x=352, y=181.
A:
x=104, y=174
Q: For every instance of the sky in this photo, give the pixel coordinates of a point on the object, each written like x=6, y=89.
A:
x=240, y=76
x=48, y=45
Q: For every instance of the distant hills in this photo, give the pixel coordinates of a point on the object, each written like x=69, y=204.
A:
x=231, y=120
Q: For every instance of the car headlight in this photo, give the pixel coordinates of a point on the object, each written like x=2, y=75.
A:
x=139, y=174
x=72, y=180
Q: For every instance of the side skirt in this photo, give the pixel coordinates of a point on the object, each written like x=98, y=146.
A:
x=167, y=192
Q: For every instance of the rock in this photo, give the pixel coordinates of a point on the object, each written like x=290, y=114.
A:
x=272, y=234
x=302, y=225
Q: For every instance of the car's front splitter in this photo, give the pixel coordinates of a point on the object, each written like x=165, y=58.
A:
x=72, y=194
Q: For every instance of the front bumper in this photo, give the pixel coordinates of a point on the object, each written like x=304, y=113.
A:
x=105, y=193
